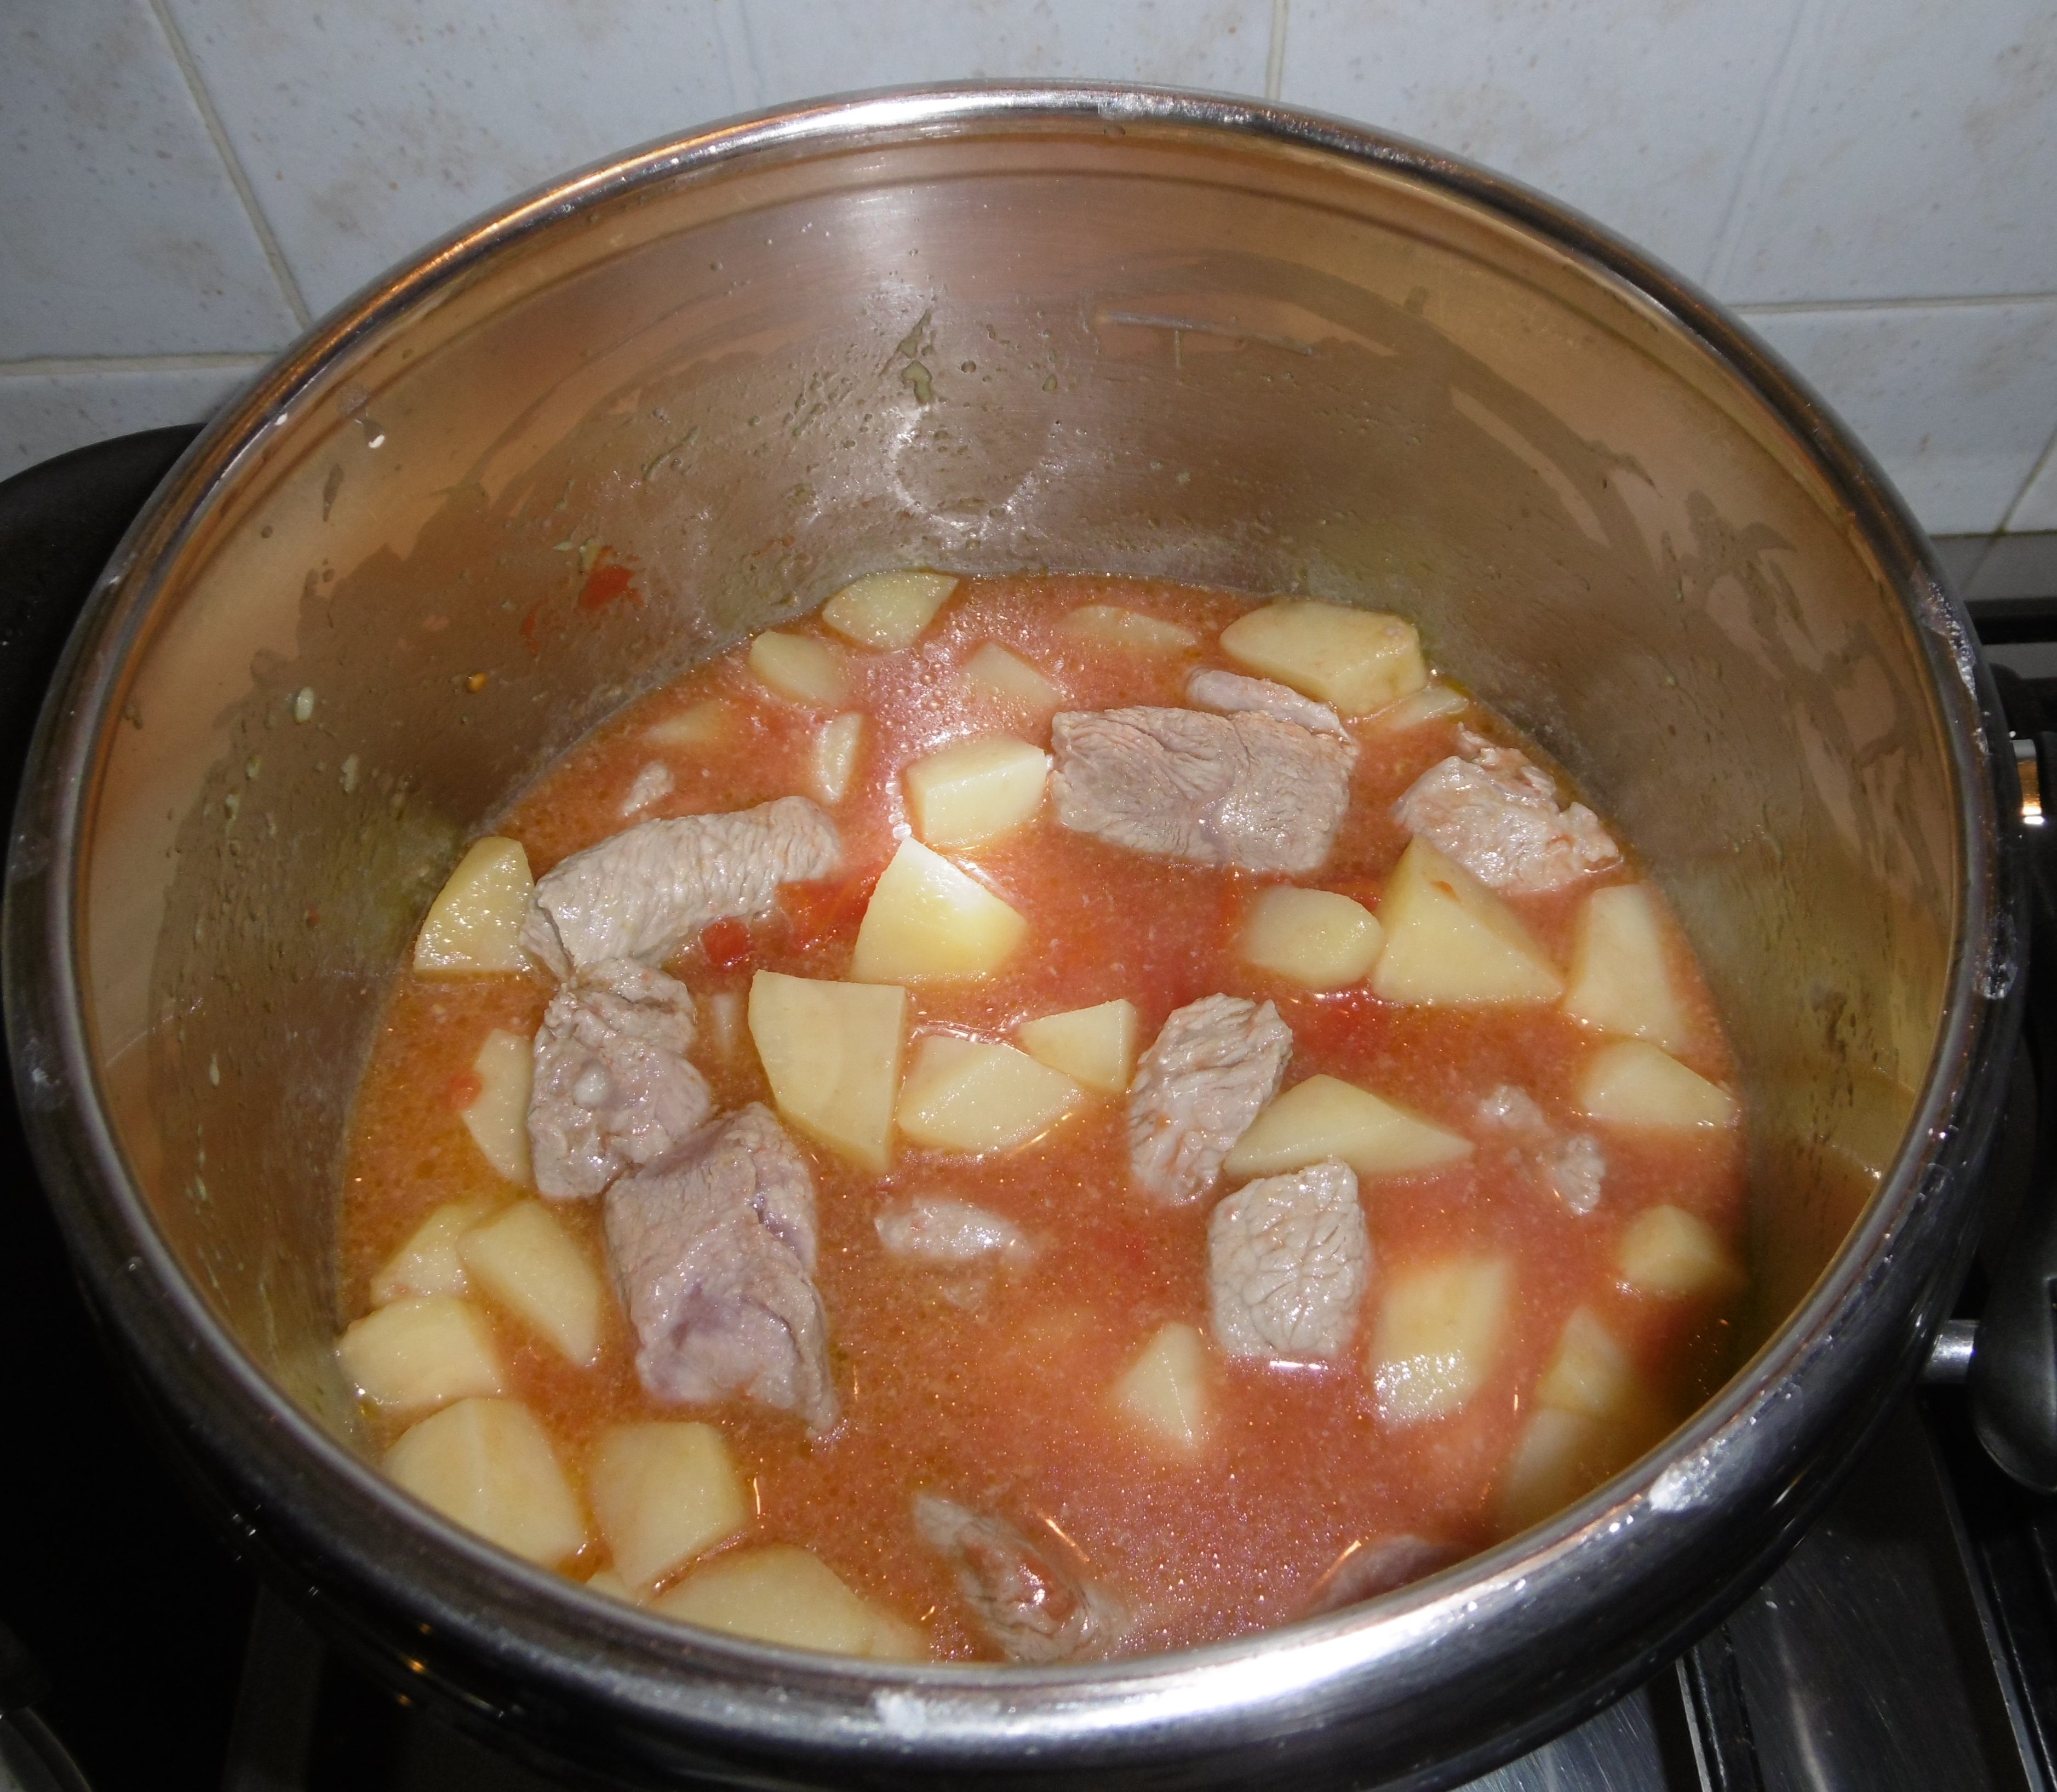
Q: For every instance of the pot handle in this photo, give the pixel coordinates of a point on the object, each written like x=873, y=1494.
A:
x=2008, y=1359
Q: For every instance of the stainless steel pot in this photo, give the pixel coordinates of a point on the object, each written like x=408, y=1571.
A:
x=988, y=329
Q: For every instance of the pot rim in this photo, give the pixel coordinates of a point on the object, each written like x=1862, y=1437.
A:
x=1865, y=1320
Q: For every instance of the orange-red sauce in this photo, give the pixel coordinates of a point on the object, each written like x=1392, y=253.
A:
x=993, y=1388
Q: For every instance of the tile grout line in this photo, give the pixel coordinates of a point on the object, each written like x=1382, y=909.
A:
x=45, y=366
x=1943, y=301
x=281, y=270
x=2044, y=462
x=1274, y=54
x=1778, y=96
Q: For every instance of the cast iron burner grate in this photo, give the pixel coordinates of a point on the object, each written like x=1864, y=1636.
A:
x=1910, y=1641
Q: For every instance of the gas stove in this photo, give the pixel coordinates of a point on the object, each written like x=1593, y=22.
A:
x=1910, y=1640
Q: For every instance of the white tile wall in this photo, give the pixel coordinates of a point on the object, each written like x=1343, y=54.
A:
x=185, y=180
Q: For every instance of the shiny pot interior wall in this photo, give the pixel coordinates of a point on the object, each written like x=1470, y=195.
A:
x=621, y=436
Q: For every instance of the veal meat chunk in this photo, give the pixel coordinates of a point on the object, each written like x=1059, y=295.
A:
x=612, y=1088
x=646, y=891
x=938, y=1229
x=1244, y=789
x=1288, y=1258
x=1034, y=1607
x=1494, y=810
x=1574, y=1169
x=1211, y=1070
x=713, y=1250
x=1233, y=694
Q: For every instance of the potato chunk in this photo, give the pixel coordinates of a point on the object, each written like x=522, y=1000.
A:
x=1449, y=941
x=1589, y=1372
x=997, y=672
x=428, y=1262
x=780, y=1593
x=1109, y=625
x=1634, y=1085
x=705, y=723
x=1438, y=1337
x=1620, y=981
x=1315, y=937
x=888, y=610
x=800, y=669
x=1562, y=1455
x=1165, y=1390
x=832, y=1052
x=497, y=1116
x=973, y=789
x=1325, y=1118
x=487, y=1464
x=421, y=1352
x=528, y=1264
x=1358, y=660
x=1093, y=1046
x=927, y=919
x=1670, y=1253
x=662, y=1493
x=475, y=924
x=973, y=1095
x=832, y=760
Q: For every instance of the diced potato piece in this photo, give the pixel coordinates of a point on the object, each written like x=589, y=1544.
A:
x=705, y=723
x=424, y=1351
x=1670, y=1253
x=607, y=1581
x=1109, y=625
x=428, y=1262
x=475, y=924
x=972, y=790
x=1094, y=1046
x=833, y=761
x=1561, y=1455
x=1315, y=937
x=497, y=1116
x=1360, y=661
x=1620, y=981
x=973, y=1095
x=888, y=610
x=1589, y=1372
x=724, y=1023
x=780, y=1593
x=927, y=919
x=662, y=1493
x=1450, y=941
x=1425, y=705
x=1325, y=1118
x=1438, y=1336
x=487, y=1464
x=1165, y=1390
x=1634, y=1085
x=528, y=1264
x=1011, y=678
x=832, y=1052
x=800, y=669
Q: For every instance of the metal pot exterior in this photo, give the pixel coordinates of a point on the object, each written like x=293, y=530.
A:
x=1083, y=328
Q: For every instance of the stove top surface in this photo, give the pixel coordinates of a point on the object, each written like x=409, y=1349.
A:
x=1909, y=1641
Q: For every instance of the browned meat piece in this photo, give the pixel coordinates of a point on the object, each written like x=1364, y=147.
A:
x=646, y=891
x=1233, y=694
x=1288, y=1258
x=1210, y=1071
x=1240, y=790
x=713, y=1250
x=612, y=1088
x=1495, y=811
x=1364, y=1571
x=1031, y=1605
x=936, y=1229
